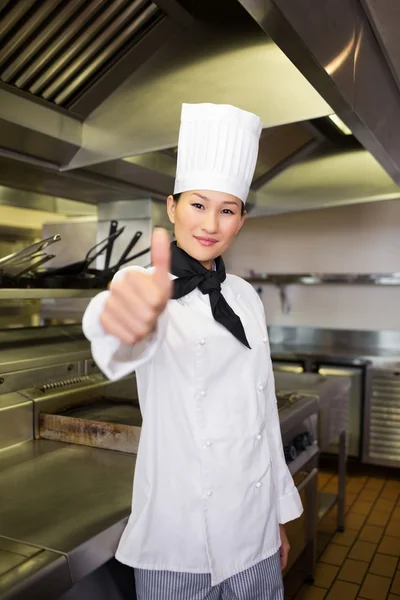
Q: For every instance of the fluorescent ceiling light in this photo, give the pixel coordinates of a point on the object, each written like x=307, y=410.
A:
x=340, y=125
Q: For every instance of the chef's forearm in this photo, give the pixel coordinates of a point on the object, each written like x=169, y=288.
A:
x=114, y=358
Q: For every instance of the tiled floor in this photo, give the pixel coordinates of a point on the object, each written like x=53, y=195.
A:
x=363, y=562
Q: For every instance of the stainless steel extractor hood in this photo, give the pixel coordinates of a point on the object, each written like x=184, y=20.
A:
x=334, y=45
x=91, y=90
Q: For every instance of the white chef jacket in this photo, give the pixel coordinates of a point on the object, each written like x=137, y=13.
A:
x=211, y=484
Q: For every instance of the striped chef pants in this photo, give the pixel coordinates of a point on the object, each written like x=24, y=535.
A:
x=261, y=582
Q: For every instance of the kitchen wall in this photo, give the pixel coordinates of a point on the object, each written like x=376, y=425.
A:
x=363, y=238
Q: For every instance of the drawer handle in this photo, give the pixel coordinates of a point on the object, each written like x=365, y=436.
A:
x=307, y=480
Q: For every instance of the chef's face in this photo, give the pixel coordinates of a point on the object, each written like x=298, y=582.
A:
x=205, y=223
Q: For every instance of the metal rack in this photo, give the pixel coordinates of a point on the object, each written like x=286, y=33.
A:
x=280, y=279
x=40, y=293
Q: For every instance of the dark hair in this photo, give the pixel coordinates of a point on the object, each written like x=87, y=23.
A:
x=177, y=196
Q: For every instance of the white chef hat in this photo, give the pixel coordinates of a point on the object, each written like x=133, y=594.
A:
x=217, y=149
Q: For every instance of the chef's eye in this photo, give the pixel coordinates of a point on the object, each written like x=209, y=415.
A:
x=228, y=211
x=197, y=205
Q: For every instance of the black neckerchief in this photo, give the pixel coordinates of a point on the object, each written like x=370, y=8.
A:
x=190, y=274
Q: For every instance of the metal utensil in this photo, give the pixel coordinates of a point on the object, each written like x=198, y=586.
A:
x=122, y=259
x=80, y=267
x=113, y=229
x=30, y=251
x=32, y=268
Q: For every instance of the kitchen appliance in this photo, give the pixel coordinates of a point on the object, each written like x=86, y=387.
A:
x=332, y=398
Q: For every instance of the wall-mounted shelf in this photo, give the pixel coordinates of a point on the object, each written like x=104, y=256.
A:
x=386, y=279
x=282, y=281
x=40, y=294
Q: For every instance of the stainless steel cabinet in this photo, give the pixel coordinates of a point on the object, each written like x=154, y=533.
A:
x=382, y=417
x=355, y=375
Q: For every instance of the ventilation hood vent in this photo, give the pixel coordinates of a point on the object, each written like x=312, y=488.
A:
x=91, y=93
x=57, y=49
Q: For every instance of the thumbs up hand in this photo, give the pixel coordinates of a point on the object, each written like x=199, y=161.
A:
x=138, y=299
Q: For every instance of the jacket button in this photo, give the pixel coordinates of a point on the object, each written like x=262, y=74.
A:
x=209, y=493
x=260, y=387
x=202, y=393
x=202, y=342
x=208, y=443
x=258, y=437
x=258, y=484
x=265, y=340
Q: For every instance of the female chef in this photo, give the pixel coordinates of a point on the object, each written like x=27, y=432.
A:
x=212, y=489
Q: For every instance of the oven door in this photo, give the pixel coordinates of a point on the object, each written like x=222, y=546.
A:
x=302, y=532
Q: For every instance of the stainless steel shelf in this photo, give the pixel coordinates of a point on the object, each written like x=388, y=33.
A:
x=38, y=294
x=325, y=503
x=387, y=279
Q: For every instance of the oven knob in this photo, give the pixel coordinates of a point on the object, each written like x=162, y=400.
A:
x=301, y=442
x=290, y=453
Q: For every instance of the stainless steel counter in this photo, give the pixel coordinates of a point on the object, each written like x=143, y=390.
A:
x=21, y=572
x=68, y=500
x=348, y=347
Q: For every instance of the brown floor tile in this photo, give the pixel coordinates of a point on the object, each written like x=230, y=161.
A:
x=347, y=538
x=353, y=571
x=371, y=533
x=375, y=587
x=310, y=592
x=393, y=484
x=323, y=479
x=383, y=505
x=334, y=555
x=375, y=483
x=350, y=499
x=354, y=485
x=389, y=494
x=362, y=507
x=293, y=582
x=331, y=487
x=378, y=518
x=342, y=590
x=325, y=575
x=362, y=551
x=393, y=528
x=383, y=565
x=396, y=513
x=328, y=524
x=392, y=597
x=368, y=494
x=395, y=589
x=389, y=545
x=323, y=540
x=355, y=520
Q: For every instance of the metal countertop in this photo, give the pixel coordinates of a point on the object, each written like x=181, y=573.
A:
x=68, y=499
x=72, y=502
x=353, y=356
